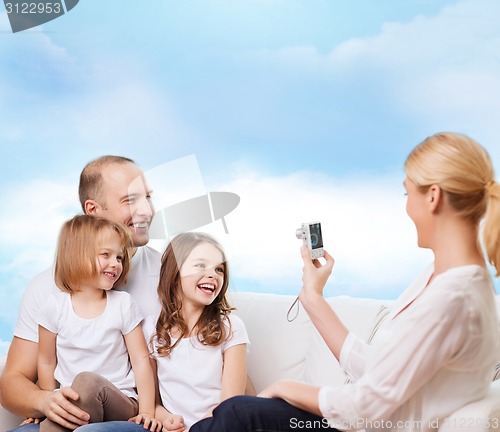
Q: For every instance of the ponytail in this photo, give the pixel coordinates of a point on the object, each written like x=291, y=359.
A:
x=491, y=231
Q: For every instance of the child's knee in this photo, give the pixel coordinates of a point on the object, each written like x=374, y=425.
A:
x=87, y=384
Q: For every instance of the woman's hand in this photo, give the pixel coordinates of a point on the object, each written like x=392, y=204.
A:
x=174, y=423
x=150, y=423
x=314, y=275
x=269, y=392
x=296, y=393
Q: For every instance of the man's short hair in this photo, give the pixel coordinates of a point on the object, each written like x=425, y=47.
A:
x=91, y=178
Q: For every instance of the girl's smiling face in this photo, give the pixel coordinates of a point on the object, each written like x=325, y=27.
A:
x=202, y=275
x=109, y=259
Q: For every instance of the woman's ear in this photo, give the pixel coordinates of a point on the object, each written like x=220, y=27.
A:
x=435, y=195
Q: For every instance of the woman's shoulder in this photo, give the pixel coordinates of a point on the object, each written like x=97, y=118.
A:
x=464, y=280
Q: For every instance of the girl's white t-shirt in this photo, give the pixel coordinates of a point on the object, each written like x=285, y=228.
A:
x=190, y=378
x=93, y=345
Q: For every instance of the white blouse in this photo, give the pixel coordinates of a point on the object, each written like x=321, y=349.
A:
x=434, y=353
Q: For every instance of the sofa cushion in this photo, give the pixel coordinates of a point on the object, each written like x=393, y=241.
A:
x=283, y=355
x=359, y=316
x=480, y=416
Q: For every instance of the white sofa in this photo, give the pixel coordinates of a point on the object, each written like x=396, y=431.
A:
x=296, y=351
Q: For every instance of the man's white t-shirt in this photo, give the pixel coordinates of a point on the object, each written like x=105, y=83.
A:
x=190, y=378
x=93, y=345
x=142, y=284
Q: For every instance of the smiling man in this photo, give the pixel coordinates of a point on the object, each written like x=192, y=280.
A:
x=115, y=188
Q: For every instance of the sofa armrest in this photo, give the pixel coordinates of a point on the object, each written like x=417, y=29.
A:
x=479, y=416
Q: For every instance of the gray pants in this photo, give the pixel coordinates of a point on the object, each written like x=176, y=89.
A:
x=100, y=398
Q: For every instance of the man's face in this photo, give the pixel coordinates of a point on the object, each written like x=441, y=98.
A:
x=126, y=198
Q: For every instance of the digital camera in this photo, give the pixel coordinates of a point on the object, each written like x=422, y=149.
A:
x=310, y=233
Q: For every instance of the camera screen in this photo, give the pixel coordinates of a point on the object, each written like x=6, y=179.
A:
x=316, y=238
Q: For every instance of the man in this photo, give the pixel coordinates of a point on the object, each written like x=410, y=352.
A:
x=112, y=187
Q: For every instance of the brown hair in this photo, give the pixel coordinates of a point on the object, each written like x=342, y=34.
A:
x=91, y=177
x=77, y=250
x=210, y=326
x=463, y=170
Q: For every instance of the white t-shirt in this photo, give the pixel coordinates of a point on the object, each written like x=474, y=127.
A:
x=141, y=285
x=93, y=345
x=190, y=378
x=434, y=353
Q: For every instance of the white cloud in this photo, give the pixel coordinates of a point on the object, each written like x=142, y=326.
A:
x=457, y=36
x=4, y=347
x=102, y=102
x=364, y=227
x=37, y=210
x=441, y=71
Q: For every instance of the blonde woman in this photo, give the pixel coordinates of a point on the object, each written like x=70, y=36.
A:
x=437, y=349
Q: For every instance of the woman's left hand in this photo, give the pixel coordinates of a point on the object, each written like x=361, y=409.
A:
x=269, y=392
x=296, y=393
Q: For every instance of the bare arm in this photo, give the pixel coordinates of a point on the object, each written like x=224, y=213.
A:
x=300, y=395
x=234, y=374
x=23, y=397
x=326, y=321
x=139, y=359
x=47, y=359
x=20, y=394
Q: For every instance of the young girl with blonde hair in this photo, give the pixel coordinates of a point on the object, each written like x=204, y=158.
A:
x=436, y=350
x=198, y=347
x=90, y=337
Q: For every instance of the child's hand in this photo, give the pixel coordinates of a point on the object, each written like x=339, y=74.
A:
x=30, y=420
x=174, y=423
x=150, y=423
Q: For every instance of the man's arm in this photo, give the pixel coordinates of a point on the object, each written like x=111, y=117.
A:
x=19, y=393
x=23, y=397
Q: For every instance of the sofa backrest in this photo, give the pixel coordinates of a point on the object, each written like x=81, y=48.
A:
x=280, y=349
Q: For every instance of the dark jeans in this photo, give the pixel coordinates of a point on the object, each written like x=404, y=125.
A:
x=254, y=414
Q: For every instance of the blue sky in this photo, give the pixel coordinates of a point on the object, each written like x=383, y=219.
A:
x=305, y=109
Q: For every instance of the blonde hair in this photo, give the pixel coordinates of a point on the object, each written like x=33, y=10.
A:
x=77, y=250
x=463, y=170
x=210, y=326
